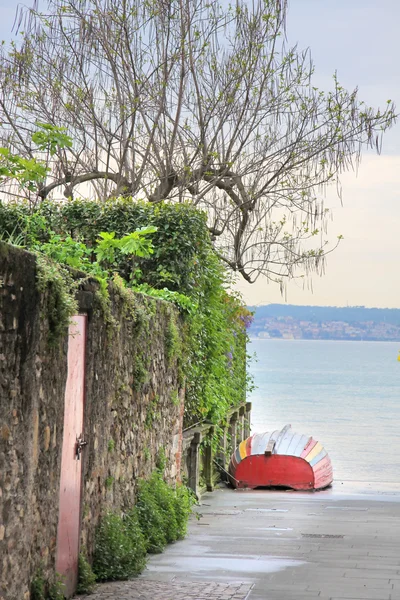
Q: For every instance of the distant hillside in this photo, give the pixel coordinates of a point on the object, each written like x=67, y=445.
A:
x=329, y=313
x=326, y=322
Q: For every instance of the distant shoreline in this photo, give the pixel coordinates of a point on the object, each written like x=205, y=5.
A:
x=358, y=324
x=269, y=339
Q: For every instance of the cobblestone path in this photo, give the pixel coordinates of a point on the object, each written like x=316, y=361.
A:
x=147, y=589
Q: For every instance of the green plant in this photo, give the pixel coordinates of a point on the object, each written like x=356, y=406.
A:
x=175, y=398
x=51, y=138
x=172, y=340
x=15, y=239
x=57, y=283
x=183, y=302
x=103, y=304
x=151, y=518
x=109, y=482
x=38, y=586
x=135, y=243
x=166, y=500
x=56, y=588
x=208, y=344
x=152, y=413
x=216, y=373
x=69, y=252
x=47, y=589
x=100, y=260
x=120, y=548
x=127, y=296
x=162, y=510
x=172, y=266
x=161, y=460
x=140, y=371
x=27, y=171
x=111, y=445
x=184, y=502
x=86, y=577
x=54, y=277
x=30, y=172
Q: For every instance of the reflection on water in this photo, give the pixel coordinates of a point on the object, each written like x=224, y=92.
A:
x=345, y=394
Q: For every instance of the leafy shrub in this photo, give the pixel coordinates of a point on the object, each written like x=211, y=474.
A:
x=120, y=547
x=56, y=588
x=172, y=340
x=151, y=518
x=38, y=586
x=86, y=577
x=216, y=376
x=184, y=501
x=163, y=511
x=165, y=497
x=47, y=589
x=180, y=266
x=61, y=303
x=109, y=482
x=29, y=172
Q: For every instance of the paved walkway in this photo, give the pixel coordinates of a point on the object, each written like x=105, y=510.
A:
x=265, y=545
x=149, y=589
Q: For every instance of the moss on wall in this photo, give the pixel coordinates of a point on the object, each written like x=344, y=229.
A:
x=133, y=409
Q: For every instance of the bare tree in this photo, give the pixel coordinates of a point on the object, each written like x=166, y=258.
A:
x=189, y=100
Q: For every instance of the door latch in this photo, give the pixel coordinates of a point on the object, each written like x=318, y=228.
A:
x=80, y=443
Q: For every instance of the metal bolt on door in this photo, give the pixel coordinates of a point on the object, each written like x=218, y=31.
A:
x=71, y=469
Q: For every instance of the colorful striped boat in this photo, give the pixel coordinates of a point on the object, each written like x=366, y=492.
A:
x=281, y=459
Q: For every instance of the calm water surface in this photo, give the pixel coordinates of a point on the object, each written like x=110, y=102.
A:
x=345, y=394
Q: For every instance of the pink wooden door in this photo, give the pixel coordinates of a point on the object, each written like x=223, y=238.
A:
x=71, y=470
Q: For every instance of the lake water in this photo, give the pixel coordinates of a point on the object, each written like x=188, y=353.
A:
x=344, y=394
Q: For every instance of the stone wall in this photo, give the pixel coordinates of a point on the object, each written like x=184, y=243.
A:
x=133, y=411
x=32, y=381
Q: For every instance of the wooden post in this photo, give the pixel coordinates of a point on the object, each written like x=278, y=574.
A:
x=233, y=431
x=223, y=455
x=242, y=424
x=194, y=462
x=247, y=423
x=208, y=462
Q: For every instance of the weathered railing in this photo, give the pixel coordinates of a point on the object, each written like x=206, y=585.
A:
x=200, y=468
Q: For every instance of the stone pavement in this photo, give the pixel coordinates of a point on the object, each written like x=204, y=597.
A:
x=267, y=545
x=149, y=589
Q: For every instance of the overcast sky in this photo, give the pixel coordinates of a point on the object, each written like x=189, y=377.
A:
x=359, y=40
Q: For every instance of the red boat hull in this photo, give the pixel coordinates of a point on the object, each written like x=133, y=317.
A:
x=281, y=459
x=274, y=471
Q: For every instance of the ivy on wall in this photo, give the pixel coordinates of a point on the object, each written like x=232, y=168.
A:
x=161, y=250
